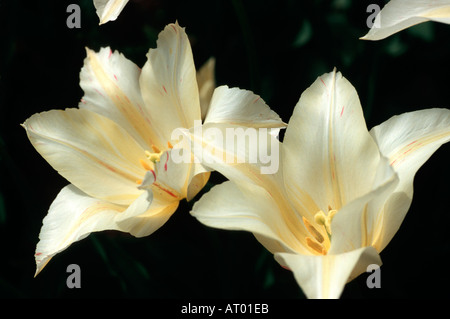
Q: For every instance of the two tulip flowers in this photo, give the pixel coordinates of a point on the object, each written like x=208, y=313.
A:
x=338, y=197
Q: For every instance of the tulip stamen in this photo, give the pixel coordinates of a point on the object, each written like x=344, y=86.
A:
x=145, y=165
x=315, y=246
x=317, y=242
x=313, y=231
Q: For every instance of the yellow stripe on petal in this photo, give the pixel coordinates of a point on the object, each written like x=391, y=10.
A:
x=104, y=78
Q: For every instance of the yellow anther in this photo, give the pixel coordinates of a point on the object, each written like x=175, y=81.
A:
x=155, y=149
x=169, y=145
x=315, y=246
x=313, y=231
x=145, y=165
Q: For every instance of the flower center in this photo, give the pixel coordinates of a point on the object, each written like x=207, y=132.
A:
x=318, y=242
x=152, y=158
x=155, y=156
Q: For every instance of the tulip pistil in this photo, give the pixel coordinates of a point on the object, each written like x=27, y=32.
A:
x=155, y=156
x=325, y=220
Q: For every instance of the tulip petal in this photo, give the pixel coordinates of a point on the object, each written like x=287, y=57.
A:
x=141, y=224
x=198, y=181
x=243, y=206
x=206, y=84
x=111, y=86
x=239, y=153
x=324, y=277
x=241, y=107
x=329, y=157
x=408, y=140
x=246, y=156
x=357, y=224
x=90, y=151
x=398, y=15
x=73, y=215
x=168, y=83
x=109, y=10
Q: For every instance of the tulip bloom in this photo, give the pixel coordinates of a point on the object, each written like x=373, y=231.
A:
x=115, y=149
x=341, y=191
x=109, y=10
x=398, y=15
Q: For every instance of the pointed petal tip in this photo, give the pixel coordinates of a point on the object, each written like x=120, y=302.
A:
x=40, y=263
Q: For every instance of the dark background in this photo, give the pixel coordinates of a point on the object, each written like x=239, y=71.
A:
x=275, y=48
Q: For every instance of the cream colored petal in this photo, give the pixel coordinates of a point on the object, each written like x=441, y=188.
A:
x=250, y=208
x=398, y=15
x=329, y=157
x=109, y=10
x=90, y=151
x=198, y=181
x=324, y=277
x=241, y=107
x=245, y=155
x=239, y=153
x=169, y=183
x=206, y=84
x=141, y=224
x=111, y=88
x=408, y=140
x=73, y=215
x=358, y=223
x=168, y=83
